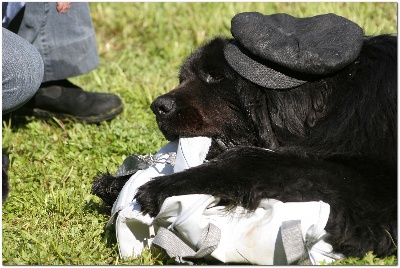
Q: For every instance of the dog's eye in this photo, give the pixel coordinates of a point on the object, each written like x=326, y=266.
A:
x=214, y=77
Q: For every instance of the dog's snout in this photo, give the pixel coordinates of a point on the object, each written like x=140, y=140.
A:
x=163, y=105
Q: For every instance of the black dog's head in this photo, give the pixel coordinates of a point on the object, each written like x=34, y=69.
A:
x=207, y=101
x=213, y=100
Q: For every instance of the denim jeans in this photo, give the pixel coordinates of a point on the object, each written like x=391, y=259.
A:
x=66, y=42
x=22, y=68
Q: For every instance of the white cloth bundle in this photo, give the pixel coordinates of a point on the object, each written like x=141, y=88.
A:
x=194, y=226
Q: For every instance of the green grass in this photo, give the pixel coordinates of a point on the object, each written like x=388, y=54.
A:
x=50, y=216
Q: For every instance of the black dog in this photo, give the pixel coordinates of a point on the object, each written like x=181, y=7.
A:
x=332, y=139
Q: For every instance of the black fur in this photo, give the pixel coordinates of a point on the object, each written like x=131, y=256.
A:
x=333, y=139
x=107, y=187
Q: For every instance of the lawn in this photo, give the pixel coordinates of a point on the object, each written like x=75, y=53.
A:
x=50, y=217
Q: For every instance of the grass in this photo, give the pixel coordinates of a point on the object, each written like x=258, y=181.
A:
x=50, y=216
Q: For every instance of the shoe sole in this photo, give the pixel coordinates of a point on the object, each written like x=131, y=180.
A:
x=82, y=119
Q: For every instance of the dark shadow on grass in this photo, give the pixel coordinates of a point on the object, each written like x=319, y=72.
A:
x=109, y=233
x=20, y=118
x=15, y=121
x=101, y=207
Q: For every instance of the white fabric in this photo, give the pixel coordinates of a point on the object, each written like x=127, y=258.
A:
x=245, y=237
x=248, y=237
x=132, y=227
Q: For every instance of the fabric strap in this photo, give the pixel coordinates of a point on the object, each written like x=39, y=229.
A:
x=178, y=249
x=293, y=243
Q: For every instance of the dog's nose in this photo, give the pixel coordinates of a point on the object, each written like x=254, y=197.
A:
x=163, y=105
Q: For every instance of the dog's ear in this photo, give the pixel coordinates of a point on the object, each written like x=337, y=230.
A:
x=295, y=110
x=318, y=102
x=255, y=104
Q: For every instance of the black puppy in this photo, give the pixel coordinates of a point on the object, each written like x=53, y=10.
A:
x=332, y=139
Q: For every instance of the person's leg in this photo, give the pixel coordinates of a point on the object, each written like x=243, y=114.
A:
x=67, y=42
x=22, y=68
x=68, y=46
x=22, y=74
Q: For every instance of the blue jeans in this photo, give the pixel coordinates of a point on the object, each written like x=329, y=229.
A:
x=22, y=68
x=66, y=42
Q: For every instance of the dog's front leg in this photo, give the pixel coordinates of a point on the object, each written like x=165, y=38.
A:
x=242, y=176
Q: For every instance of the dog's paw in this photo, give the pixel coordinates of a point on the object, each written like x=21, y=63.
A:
x=151, y=196
x=107, y=187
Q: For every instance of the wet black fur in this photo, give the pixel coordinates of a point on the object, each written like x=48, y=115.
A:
x=333, y=139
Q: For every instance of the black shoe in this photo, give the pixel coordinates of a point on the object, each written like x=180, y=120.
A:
x=62, y=99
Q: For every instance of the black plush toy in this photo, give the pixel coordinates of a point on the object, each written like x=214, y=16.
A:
x=317, y=93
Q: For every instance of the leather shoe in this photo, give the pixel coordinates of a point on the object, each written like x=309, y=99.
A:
x=62, y=99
